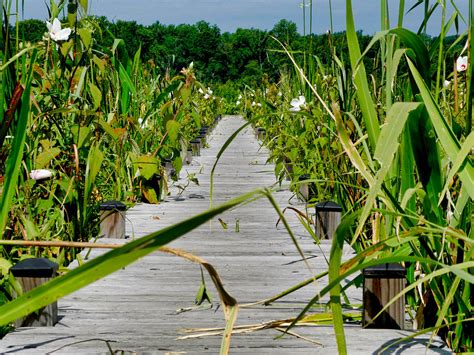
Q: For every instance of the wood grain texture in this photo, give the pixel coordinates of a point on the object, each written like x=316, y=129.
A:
x=145, y=307
x=47, y=316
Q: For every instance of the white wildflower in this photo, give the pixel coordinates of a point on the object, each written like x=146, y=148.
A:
x=41, y=174
x=296, y=104
x=461, y=63
x=56, y=33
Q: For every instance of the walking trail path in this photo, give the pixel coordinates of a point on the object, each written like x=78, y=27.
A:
x=142, y=308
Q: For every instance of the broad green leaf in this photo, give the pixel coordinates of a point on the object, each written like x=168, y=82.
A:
x=31, y=230
x=99, y=62
x=96, y=95
x=172, y=127
x=81, y=134
x=5, y=266
x=108, y=129
x=387, y=146
x=147, y=165
x=45, y=157
x=86, y=36
x=150, y=194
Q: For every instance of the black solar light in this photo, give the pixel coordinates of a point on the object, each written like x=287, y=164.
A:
x=196, y=147
x=260, y=133
x=304, y=187
x=189, y=156
x=381, y=284
x=328, y=218
x=31, y=273
x=112, y=217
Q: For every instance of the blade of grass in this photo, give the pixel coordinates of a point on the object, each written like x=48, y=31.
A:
x=446, y=136
x=108, y=263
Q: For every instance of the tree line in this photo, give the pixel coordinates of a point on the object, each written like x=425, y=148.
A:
x=245, y=56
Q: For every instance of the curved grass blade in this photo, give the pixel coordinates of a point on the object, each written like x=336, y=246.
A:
x=385, y=153
x=364, y=96
x=15, y=157
x=108, y=263
x=457, y=164
x=446, y=136
x=218, y=156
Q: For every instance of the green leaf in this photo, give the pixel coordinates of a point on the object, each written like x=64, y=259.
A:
x=31, y=230
x=147, y=165
x=86, y=36
x=446, y=136
x=96, y=95
x=219, y=154
x=45, y=157
x=202, y=294
x=364, y=96
x=12, y=169
x=94, y=162
x=84, y=4
x=458, y=163
x=150, y=194
x=172, y=127
x=81, y=135
x=108, y=129
x=5, y=266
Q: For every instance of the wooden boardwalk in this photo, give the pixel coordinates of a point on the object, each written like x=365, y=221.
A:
x=140, y=309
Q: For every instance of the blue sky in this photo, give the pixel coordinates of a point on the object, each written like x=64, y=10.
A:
x=231, y=14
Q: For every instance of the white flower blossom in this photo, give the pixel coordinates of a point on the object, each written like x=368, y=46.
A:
x=240, y=97
x=259, y=104
x=56, y=33
x=201, y=91
x=141, y=123
x=297, y=103
x=446, y=83
x=461, y=63
x=238, y=102
x=253, y=103
x=280, y=94
x=207, y=96
x=41, y=174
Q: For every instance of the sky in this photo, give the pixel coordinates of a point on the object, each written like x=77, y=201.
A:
x=229, y=15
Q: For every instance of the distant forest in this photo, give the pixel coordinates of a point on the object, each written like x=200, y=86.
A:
x=245, y=57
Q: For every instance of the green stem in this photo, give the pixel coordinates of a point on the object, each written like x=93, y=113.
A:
x=470, y=71
x=440, y=53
